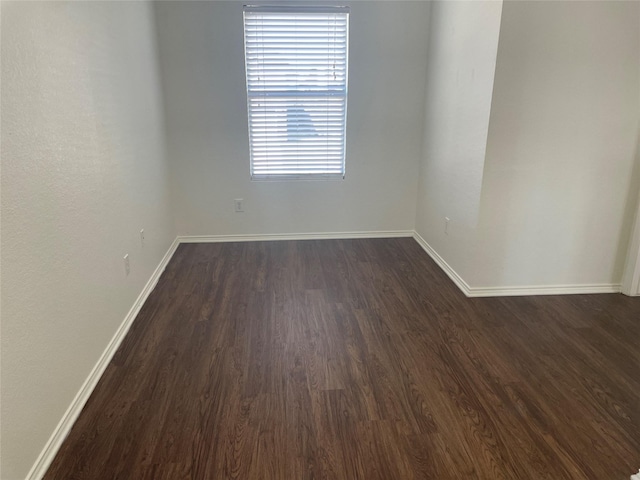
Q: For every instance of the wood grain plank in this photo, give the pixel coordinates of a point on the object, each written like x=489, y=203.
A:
x=358, y=359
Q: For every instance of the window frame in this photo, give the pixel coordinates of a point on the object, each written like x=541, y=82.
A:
x=300, y=93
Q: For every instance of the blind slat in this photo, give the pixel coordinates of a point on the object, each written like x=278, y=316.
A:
x=296, y=73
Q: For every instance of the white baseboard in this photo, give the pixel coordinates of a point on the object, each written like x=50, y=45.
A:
x=453, y=275
x=515, y=291
x=544, y=290
x=63, y=428
x=293, y=236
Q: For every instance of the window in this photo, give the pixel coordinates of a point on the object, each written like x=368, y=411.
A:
x=296, y=66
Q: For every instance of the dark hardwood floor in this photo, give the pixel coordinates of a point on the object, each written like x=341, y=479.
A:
x=359, y=359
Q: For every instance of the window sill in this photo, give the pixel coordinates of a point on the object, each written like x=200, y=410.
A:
x=296, y=178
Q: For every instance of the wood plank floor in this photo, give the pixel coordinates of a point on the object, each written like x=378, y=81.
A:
x=359, y=359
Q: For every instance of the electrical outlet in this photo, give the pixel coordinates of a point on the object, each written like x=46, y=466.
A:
x=238, y=205
x=142, y=238
x=446, y=225
x=127, y=267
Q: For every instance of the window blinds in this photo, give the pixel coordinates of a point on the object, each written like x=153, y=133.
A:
x=296, y=65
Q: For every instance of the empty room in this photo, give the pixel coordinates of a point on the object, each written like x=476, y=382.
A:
x=320, y=240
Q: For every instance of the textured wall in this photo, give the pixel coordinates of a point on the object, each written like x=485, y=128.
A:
x=83, y=170
x=202, y=65
x=463, y=44
x=559, y=184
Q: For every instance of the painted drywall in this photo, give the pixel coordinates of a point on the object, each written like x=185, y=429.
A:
x=463, y=46
x=83, y=170
x=558, y=190
x=631, y=275
x=202, y=65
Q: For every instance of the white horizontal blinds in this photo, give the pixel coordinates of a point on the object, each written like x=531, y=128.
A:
x=296, y=66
